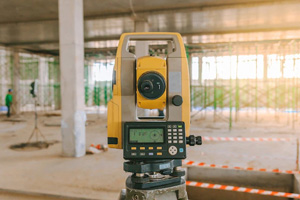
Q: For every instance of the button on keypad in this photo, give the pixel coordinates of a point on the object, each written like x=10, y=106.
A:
x=175, y=134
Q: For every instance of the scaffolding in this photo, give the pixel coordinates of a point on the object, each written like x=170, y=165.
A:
x=46, y=70
x=233, y=79
x=248, y=78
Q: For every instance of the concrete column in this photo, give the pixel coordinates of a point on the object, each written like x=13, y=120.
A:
x=200, y=70
x=141, y=48
x=3, y=66
x=16, y=107
x=91, y=81
x=265, y=67
x=71, y=45
x=43, y=80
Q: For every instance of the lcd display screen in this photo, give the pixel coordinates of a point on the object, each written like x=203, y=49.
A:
x=146, y=135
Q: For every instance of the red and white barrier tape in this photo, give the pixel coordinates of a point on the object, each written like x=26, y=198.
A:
x=245, y=139
x=203, y=153
x=242, y=189
x=202, y=164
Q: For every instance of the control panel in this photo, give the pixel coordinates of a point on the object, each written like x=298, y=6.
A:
x=154, y=140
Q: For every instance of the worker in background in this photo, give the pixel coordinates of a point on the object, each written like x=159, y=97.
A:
x=8, y=101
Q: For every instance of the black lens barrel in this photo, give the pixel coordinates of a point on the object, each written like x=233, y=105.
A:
x=151, y=85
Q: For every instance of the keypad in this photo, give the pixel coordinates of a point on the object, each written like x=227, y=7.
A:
x=175, y=134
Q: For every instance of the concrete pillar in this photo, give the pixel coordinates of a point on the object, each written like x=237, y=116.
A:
x=141, y=48
x=16, y=107
x=265, y=67
x=43, y=81
x=200, y=70
x=90, y=81
x=71, y=45
x=3, y=66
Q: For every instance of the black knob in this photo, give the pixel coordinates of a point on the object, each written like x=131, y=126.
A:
x=166, y=171
x=199, y=140
x=177, y=100
x=192, y=140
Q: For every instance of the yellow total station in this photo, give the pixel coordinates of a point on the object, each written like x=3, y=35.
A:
x=149, y=83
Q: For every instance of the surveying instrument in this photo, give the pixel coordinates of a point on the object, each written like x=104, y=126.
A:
x=153, y=146
x=36, y=131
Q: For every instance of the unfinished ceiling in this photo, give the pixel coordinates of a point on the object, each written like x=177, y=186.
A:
x=33, y=24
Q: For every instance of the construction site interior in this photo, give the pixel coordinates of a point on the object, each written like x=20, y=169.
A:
x=244, y=66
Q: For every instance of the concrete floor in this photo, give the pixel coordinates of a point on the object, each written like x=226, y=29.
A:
x=101, y=176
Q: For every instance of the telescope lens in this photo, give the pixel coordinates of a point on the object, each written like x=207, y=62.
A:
x=151, y=85
x=147, y=86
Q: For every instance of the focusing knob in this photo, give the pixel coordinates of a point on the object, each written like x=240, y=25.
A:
x=192, y=140
x=177, y=100
x=199, y=140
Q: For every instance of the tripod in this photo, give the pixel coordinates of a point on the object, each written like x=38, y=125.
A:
x=36, y=131
x=156, y=180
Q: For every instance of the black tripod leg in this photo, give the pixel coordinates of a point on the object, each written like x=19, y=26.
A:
x=31, y=136
x=39, y=131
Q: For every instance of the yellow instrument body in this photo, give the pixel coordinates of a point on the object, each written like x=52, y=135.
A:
x=122, y=107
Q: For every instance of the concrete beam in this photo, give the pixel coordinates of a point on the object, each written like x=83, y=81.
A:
x=72, y=77
x=230, y=20
x=166, y=8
